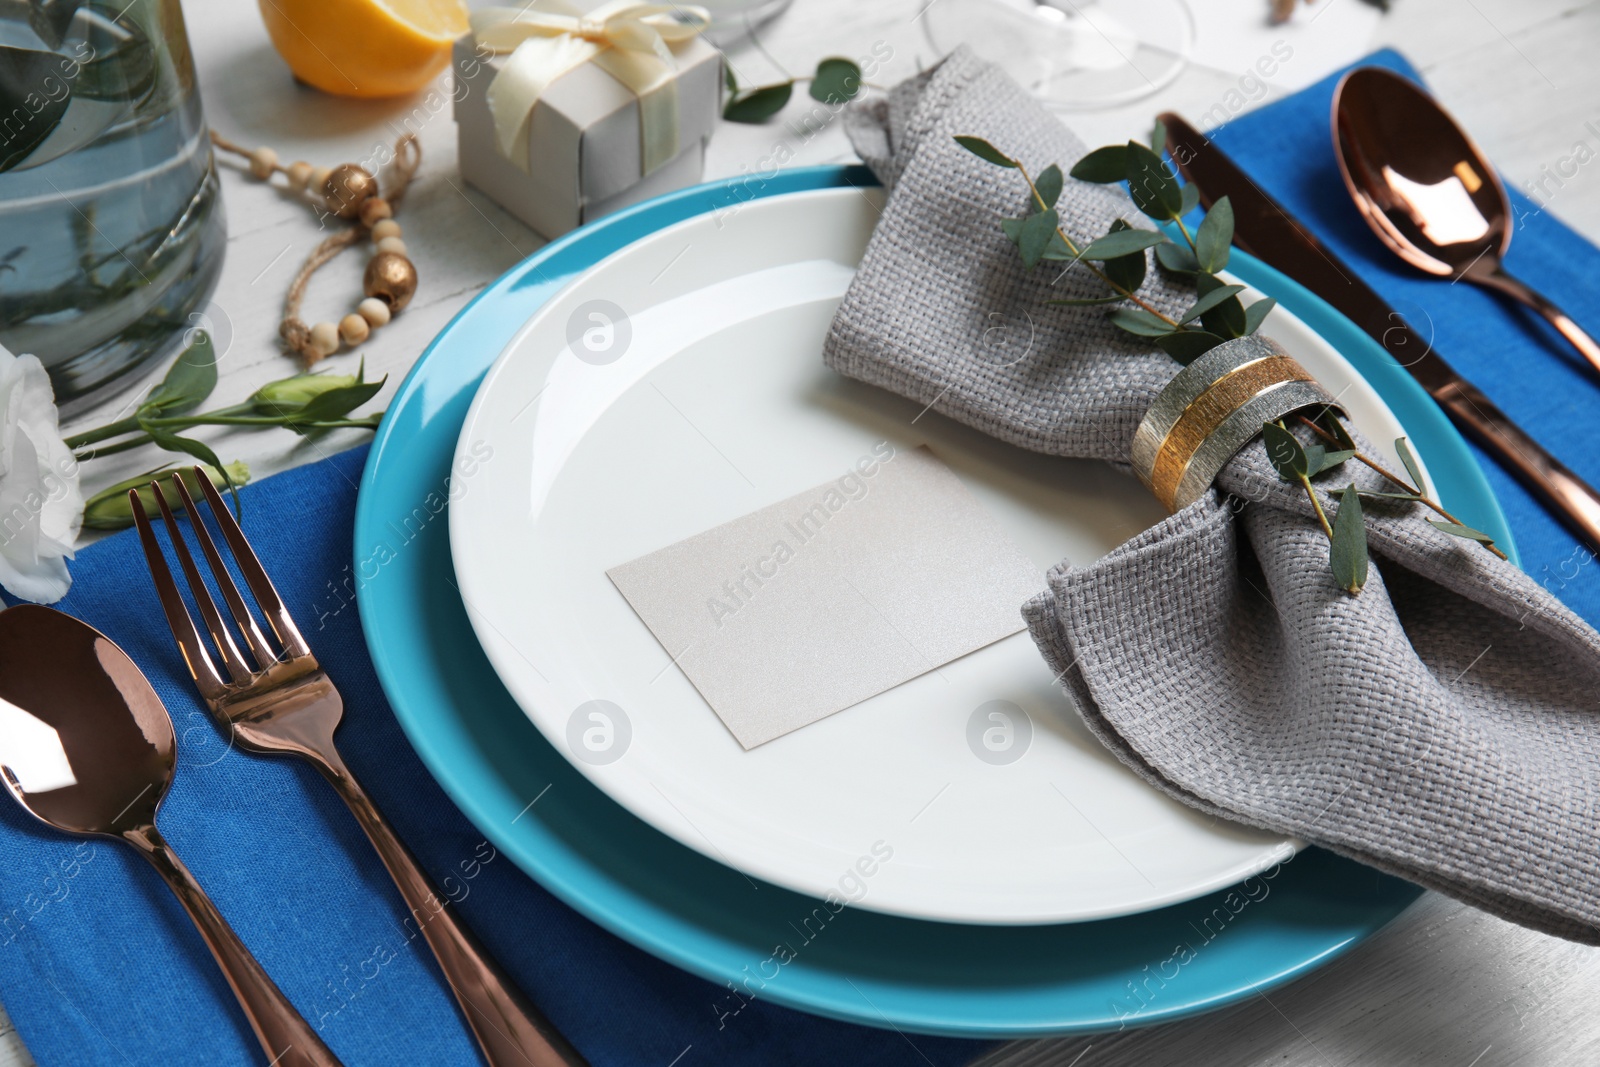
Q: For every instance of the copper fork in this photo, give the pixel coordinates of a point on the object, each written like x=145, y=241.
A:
x=285, y=703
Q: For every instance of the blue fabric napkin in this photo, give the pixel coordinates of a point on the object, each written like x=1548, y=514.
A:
x=99, y=964
x=1516, y=358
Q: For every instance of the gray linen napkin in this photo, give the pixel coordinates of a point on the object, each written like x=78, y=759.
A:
x=1442, y=726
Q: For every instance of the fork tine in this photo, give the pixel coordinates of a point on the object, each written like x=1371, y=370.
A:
x=264, y=655
x=202, y=596
x=179, y=621
x=255, y=575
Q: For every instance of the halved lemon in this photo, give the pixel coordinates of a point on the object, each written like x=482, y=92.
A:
x=365, y=48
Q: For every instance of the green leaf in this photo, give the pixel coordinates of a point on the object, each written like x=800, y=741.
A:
x=1256, y=313
x=1226, y=319
x=1048, y=185
x=199, y=450
x=1284, y=452
x=759, y=104
x=188, y=382
x=1127, y=271
x=1031, y=235
x=1140, y=322
x=1455, y=529
x=1191, y=197
x=986, y=151
x=1103, y=166
x=1058, y=250
x=336, y=403
x=30, y=114
x=1214, y=237
x=1410, y=461
x=1177, y=258
x=1119, y=243
x=1372, y=494
x=1153, y=188
x=1089, y=301
x=1209, y=301
x=837, y=81
x=728, y=78
x=1319, y=459
x=1348, y=552
x=1186, y=346
x=1158, y=137
x=1329, y=420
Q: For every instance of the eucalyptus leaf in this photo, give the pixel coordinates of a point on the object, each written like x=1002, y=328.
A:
x=1404, y=450
x=758, y=105
x=1140, y=322
x=1121, y=242
x=31, y=112
x=1226, y=319
x=1256, y=313
x=1375, y=495
x=190, y=379
x=1049, y=184
x=1215, y=236
x=836, y=82
x=1186, y=346
x=1320, y=460
x=728, y=78
x=1177, y=258
x=986, y=151
x=1153, y=188
x=1329, y=420
x=1191, y=197
x=1032, y=235
x=1158, y=137
x=1348, y=552
x=1127, y=271
x=1455, y=529
x=1060, y=250
x=1284, y=452
x=1209, y=301
x=1103, y=166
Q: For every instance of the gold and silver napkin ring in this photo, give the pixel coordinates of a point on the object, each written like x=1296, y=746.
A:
x=1211, y=410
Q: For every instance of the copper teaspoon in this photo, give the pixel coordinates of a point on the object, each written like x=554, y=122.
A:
x=88, y=748
x=1427, y=191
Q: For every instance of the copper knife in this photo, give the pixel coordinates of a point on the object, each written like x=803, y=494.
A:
x=1265, y=230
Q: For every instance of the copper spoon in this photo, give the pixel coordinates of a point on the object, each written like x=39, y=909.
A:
x=1427, y=191
x=104, y=773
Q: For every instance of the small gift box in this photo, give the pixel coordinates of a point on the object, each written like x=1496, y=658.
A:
x=564, y=117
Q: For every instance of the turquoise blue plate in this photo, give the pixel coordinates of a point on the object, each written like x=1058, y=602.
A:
x=969, y=981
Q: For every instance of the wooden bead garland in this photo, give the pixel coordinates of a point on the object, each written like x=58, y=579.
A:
x=347, y=191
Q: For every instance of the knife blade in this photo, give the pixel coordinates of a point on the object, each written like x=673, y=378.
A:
x=1265, y=230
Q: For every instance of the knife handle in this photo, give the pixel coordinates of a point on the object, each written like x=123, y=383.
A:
x=1571, y=497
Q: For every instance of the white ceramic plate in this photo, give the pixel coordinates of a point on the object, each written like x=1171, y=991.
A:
x=589, y=445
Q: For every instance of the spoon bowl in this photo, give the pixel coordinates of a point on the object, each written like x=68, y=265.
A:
x=111, y=727
x=87, y=747
x=1427, y=191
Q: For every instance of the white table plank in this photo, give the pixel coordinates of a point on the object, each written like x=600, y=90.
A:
x=1443, y=985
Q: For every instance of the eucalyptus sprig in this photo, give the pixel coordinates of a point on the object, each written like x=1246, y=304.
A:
x=1217, y=314
x=1347, y=539
x=836, y=82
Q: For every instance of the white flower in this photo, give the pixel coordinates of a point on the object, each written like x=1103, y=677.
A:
x=41, y=508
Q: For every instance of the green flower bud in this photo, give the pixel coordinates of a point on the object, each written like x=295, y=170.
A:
x=110, y=508
x=288, y=395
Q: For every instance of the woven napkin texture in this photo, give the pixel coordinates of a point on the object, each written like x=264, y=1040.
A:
x=1441, y=726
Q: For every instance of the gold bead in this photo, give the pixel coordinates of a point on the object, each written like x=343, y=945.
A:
x=348, y=187
x=353, y=329
x=300, y=175
x=375, y=311
x=375, y=211
x=391, y=278
x=325, y=338
x=319, y=178
x=391, y=244
x=385, y=228
x=263, y=161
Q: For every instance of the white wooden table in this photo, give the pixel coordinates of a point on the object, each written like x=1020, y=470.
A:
x=1443, y=985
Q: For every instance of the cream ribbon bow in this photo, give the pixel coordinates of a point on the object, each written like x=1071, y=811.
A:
x=627, y=40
